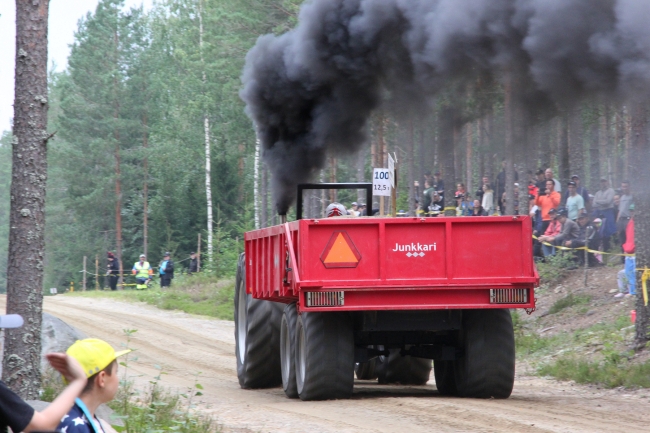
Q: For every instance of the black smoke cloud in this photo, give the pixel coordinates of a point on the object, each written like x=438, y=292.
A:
x=311, y=91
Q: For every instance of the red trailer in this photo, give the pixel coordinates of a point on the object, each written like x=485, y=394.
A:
x=317, y=299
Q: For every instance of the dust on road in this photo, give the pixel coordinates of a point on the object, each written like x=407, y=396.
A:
x=183, y=345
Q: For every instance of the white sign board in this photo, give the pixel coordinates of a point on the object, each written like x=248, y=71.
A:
x=381, y=182
x=391, y=170
x=53, y=291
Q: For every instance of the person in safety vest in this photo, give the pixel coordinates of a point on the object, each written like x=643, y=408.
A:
x=143, y=272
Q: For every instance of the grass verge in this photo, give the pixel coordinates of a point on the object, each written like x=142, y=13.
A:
x=569, y=301
x=606, y=373
x=200, y=294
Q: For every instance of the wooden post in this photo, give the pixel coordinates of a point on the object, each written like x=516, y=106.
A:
x=84, y=280
x=198, y=255
x=96, y=272
x=381, y=205
x=393, y=193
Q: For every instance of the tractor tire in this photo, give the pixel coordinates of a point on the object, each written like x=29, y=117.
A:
x=445, y=377
x=324, y=356
x=487, y=367
x=366, y=370
x=405, y=370
x=257, y=337
x=288, y=350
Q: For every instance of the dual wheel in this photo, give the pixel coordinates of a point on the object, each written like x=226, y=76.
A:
x=317, y=355
x=486, y=368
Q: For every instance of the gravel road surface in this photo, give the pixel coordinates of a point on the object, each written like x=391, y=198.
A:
x=184, y=345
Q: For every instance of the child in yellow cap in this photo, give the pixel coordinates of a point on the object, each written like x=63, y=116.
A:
x=99, y=361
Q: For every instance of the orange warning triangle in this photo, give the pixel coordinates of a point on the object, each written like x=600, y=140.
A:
x=340, y=252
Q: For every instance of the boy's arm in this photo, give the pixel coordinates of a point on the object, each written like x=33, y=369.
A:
x=72, y=371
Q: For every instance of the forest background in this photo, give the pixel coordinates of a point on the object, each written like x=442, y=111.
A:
x=147, y=97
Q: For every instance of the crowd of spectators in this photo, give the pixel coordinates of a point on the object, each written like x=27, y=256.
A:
x=568, y=217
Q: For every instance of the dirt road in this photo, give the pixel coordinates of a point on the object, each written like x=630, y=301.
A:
x=184, y=345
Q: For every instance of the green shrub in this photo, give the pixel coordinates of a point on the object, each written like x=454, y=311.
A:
x=569, y=301
x=554, y=268
x=610, y=373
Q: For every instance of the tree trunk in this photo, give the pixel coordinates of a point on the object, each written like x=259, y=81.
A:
x=206, y=134
x=594, y=154
x=145, y=189
x=22, y=346
x=360, y=166
x=264, y=214
x=564, y=161
x=603, y=145
x=640, y=161
x=446, y=139
x=468, y=158
x=508, y=111
x=410, y=161
x=576, y=151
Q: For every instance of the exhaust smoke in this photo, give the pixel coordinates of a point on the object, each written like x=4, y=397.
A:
x=311, y=91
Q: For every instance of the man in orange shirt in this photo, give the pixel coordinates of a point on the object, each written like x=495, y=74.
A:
x=547, y=200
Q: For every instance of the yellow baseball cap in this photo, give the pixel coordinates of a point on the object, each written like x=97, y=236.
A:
x=94, y=354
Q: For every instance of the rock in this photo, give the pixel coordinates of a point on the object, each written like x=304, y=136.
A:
x=56, y=336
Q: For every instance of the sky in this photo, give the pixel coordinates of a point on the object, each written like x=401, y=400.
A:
x=64, y=16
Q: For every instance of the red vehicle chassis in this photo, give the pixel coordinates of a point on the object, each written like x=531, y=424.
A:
x=357, y=264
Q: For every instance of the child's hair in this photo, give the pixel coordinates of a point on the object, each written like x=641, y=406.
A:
x=90, y=385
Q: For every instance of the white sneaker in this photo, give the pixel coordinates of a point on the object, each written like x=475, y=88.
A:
x=629, y=295
x=619, y=295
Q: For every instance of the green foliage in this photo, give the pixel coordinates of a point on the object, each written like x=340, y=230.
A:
x=155, y=408
x=554, y=268
x=569, y=301
x=199, y=293
x=608, y=373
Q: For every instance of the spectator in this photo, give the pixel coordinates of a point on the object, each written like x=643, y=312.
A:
x=18, y=414
x=113, y=270
x=624, y=211
x=541, y=180
x=487, y=203
x=354, y=209
x=143, y=272
x=480, y=191
x=99, y=361
x=604, y=209
x=629, y=273
x=426, y=199
x=500, y=183
x=553, y=229
x=463, y=205
x=166, y=271
x=587, y=236
x=439, y=186
x=363, y=209
x=581, y=190
x=569, y=231
x=194, y=263
x=477, y=209
x=549, y=176
x=516, y=194
x=547, y=199
x=575, y=204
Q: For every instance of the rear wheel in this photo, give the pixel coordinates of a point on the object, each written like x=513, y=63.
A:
x=487, y=367
x=445, y=377
x=406, y=370
x=288, y=350
x=324, y=356
x=257, y=336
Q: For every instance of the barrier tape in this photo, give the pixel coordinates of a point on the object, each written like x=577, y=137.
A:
x=644, y=284
x=562, y=247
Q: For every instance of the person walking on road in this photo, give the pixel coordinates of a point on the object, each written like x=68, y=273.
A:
x=143, y=272
x=166, y=270
x=113, y=270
